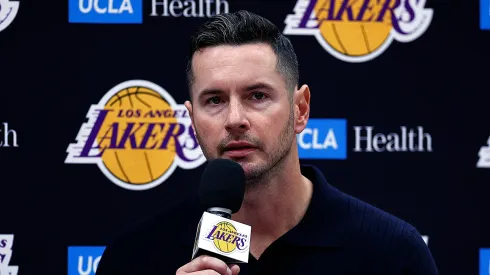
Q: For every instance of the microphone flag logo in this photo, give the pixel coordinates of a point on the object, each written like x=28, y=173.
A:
x=228, y=239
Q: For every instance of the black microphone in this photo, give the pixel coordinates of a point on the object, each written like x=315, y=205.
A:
x=221, y=193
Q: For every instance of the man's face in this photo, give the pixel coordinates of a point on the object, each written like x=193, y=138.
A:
x=240, y=107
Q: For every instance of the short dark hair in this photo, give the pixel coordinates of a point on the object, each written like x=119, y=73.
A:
x=244, y=27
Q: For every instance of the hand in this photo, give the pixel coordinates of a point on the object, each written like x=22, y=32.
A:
x=207, y=265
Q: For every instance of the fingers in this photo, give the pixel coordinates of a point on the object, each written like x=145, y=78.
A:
x=205, y=272
x=206, y=264
x=235, y=269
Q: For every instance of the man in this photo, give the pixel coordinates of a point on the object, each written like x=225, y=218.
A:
x=246, y=106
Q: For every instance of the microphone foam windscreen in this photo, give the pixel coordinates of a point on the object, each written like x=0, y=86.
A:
x=222, y=185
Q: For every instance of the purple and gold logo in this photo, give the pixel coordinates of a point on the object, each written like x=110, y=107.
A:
x=226, y=238
x=137, y=135
x=359, y=30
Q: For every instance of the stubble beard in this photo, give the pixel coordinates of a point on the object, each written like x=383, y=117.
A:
x=257, y=175
x=261, y=173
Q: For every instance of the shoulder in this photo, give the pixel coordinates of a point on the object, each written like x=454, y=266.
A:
x=387, y=237
x=365, y=220
x=163, y=241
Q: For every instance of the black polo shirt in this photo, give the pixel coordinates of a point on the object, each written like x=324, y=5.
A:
x=339, y=234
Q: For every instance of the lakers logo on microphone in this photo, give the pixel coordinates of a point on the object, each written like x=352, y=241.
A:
x=137, y=135
x=222, y=236
x=226, y=238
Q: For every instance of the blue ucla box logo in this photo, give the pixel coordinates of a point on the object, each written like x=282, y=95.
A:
x=105, y=11
x=485, y=14
x=84, y=259
x=485, y=261
x=323, y=139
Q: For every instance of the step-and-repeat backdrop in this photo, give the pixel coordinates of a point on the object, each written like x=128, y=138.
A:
x=400, y=117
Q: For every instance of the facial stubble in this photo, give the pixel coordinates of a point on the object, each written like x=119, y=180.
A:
x=258, y=174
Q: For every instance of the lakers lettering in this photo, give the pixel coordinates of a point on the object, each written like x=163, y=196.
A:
x=362, y=11
x=359, y=30
x=140, y=135
x=225, y=234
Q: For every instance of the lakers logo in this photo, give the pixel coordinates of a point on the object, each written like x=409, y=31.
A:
x=8, y=11
x=359, y=30
x=137, y=135
x=226, y=238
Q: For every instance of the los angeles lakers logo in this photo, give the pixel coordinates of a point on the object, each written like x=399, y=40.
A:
x=137, y=135
x=359, y=30
x=8, y=11
x=226, y=238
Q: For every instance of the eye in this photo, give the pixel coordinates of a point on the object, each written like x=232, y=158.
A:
x=214, y=100
x=258, y=96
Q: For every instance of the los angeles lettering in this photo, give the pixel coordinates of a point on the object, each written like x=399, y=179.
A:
x=137, y=113
x=233, y=232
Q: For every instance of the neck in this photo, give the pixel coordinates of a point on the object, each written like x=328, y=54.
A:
x=267, y=205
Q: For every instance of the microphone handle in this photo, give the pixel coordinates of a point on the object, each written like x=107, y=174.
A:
x=220, y=213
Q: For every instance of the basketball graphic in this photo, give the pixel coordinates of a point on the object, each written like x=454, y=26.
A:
x=352, y=38
x=225, y=245
x=221, y=236
x=359, y=30
x=138, y=136
x=142, y=164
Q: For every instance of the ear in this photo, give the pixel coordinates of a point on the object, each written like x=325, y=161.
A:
x=188, y=105
x=301, y=108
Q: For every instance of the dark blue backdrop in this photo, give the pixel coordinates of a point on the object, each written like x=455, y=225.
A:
x=52, y=71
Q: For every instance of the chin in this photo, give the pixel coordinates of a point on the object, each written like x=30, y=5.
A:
x=251, y=165
x=252, y=170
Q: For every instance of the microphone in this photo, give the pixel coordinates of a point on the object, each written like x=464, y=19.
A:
x=221, y=194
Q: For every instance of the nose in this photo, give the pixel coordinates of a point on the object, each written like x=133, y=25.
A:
x=236, y=121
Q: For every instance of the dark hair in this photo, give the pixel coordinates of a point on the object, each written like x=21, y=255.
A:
x=244, y=27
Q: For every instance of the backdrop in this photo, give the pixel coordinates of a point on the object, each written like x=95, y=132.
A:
x=94, y=137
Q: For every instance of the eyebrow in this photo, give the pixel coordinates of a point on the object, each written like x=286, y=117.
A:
x=257, y=86
x=208, y=92
x=260, y=85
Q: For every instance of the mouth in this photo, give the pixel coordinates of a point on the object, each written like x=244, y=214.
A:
x=239, y=149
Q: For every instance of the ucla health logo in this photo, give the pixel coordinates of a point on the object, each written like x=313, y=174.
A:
x=8, y=137
x=327, y=139
x=84, y=260
x=8, y=11
x=137, y=135
x=485, y=14
x=358, y=31
x=105, y=11
x=323, y=139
